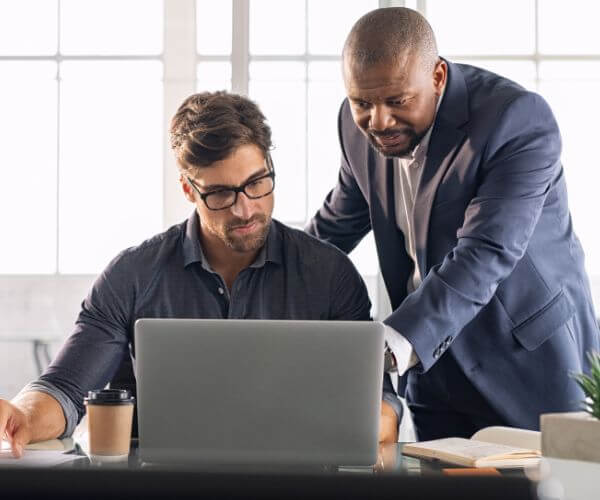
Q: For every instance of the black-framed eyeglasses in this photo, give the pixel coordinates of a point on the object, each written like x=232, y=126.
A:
x=258, y=187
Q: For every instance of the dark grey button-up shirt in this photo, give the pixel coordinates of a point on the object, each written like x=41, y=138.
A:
x=295, y=276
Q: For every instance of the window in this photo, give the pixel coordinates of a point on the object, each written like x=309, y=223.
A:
x=80, y=163
x=78, y=75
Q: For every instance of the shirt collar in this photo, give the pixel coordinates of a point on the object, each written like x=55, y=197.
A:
x=271, y=251
x=192, y=250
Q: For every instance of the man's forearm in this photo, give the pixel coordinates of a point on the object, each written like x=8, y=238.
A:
x=45, y=415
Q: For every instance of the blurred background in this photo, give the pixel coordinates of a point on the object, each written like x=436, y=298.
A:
x=87, y=88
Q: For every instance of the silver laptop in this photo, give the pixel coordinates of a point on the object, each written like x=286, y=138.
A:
x=250, y=392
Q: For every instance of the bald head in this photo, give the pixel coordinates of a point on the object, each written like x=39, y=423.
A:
x=388, y=35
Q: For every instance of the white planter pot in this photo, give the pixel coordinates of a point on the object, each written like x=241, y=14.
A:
x=572, y=435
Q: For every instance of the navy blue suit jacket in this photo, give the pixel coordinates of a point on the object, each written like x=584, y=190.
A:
x=504, y=288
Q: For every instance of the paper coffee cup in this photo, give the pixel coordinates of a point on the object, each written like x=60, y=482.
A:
x=109, y=420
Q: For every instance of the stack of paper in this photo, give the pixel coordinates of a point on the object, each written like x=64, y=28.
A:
x=43, y=454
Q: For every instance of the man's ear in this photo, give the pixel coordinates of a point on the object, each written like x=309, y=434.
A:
x=188, y=191
x=440, y=74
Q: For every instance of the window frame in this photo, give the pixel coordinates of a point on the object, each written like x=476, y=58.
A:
x=180, y=59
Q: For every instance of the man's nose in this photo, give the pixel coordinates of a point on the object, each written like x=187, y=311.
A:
x=381, y=118
x=242, y=207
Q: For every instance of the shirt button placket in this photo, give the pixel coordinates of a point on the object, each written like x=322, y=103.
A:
x=222, y=292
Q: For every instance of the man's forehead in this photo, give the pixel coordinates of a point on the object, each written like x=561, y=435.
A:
x=378, y=78
x=245, y=161
x=368, y=59
x=219, y=175
x=377, y=87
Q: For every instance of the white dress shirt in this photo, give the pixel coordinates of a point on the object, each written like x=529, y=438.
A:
x=407, y=172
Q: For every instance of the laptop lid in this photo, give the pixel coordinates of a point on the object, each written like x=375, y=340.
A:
x=259, y=391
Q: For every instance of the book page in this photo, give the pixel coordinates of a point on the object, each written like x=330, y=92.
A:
x=467, y=451
x=510, y=436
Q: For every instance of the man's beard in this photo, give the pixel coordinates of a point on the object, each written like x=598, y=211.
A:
x=246, y=243
x=413, y=141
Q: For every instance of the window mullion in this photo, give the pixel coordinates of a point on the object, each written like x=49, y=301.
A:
x=240, y=46
x=58, y=121
x=179, y=59
x=307, y=59
x=537, y=46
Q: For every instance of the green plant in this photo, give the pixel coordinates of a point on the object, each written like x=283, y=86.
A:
x=591, y=385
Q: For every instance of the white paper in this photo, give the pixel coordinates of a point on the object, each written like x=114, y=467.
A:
x=34, y=458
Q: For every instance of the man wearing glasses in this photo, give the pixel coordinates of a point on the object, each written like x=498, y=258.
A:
x=229, y=259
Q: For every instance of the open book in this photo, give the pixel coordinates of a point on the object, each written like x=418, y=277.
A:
x=500, y=447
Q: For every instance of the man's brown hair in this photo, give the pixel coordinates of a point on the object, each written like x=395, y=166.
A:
x=210, y=126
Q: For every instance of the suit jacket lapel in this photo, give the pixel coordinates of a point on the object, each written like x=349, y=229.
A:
x=382, y=183
x=445, y=140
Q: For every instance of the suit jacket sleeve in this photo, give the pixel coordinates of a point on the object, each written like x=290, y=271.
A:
x=343, y=220
x=519, y=163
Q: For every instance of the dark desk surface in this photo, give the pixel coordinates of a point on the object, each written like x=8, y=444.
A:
x=398, y=477
x=391, y=462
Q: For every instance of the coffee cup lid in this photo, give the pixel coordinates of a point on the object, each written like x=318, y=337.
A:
x=109, y=397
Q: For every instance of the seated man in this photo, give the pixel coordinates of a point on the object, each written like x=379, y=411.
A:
x=229, y=259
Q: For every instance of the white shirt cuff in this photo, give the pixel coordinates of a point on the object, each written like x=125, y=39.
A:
x=405, y=355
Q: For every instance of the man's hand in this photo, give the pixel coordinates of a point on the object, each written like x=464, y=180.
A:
x=31, y=416
x=388, y=425
x=14, y=426
x=387, y=458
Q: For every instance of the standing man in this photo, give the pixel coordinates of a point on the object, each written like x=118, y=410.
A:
x=229, y=259
x=457, y=171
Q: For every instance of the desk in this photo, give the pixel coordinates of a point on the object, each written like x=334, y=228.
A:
x=127, y=484
x=391, y=462
x=404, y=478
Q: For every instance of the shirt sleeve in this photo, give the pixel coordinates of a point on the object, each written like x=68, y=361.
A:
x=349, y=296
x=92, y=354
x=390, y=396
x=405, y=355
x=68, y=408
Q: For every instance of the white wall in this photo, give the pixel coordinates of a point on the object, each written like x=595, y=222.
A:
x=34, y=306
